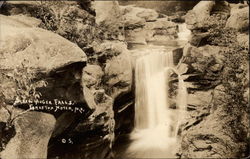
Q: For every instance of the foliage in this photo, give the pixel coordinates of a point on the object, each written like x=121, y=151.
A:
x=71, y=22
x=235, y=69
x=24, y=88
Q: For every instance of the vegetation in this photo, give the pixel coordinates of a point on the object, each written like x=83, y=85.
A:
x=236, y=58
x=20, y=84
x=234, y=76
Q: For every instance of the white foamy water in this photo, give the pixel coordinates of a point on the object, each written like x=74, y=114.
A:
x=156, y=125
x=183, y=33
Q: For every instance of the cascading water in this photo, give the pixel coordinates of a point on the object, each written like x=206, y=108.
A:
x=183, y=33
x=157, y=122
x=156, y=125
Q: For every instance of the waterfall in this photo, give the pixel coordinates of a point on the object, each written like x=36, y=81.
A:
x=156, y=124
x=183, y=33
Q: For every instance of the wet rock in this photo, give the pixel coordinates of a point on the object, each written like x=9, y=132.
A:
x=182, y=68
x=177, y=55
x=239, y=19
x=33, y=131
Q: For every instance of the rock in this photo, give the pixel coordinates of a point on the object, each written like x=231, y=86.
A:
x=37, y=46
x=33, y=131
x=92, y=75
x=70, y=19
x=148, y=15
x=164, y=7
x=177, y=55
x=161, y=30
x=200, y=99
x=243, y=40
x=20, y=21
x=209, y=139
x=160, y=23
x=111, y=48
x=108, y=16
x=204, y=66
x=237, y=6
x=91, y=79
x=221, y=7
x=118, y=72
x=116, y=76
x=136, y=16
x=137, y=36
x=199, y=39
x=195, y=17
x=56, y=60
x=131, y=21
x=182, y=68
x=239, y=19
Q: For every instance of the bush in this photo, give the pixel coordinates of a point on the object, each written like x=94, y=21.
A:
x=24, y=87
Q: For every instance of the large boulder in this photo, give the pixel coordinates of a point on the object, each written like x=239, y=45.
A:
x=239, y=19
x=37, y=46
x=51, y=57
x=74, y=20
x=32, y=133
x=200, y=12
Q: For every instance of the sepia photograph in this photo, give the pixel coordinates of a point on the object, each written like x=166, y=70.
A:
x=124, y=79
